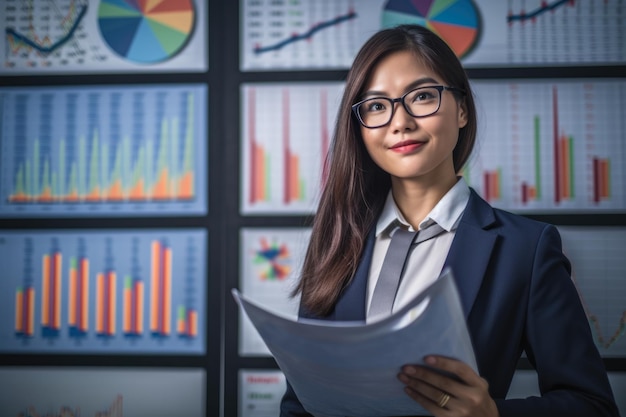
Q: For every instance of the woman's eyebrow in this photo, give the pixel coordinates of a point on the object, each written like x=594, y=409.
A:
x=414, y=84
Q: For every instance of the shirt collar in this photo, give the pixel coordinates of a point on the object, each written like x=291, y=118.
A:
x=447, y=213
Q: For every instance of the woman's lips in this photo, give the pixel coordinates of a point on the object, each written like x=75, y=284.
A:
x=407, y=146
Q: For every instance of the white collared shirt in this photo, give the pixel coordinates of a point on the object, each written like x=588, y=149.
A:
x=425, y=260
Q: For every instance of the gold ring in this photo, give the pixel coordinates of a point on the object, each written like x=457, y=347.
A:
x=443, y=400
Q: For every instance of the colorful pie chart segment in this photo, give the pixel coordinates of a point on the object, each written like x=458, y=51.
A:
x=455, y=21
x=146, y=31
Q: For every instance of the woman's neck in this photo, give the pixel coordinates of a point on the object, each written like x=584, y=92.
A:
x=416, y=199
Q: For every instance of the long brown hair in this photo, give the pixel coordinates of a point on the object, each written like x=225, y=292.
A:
x=356, y=187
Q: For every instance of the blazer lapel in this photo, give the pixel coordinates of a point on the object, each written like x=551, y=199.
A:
x=468, y=258
x=471, y=249
x=351, y=303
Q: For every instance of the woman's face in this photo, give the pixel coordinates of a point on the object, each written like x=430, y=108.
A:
x=410, y=148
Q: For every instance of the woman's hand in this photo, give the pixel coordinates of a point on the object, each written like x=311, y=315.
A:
x=444, y=396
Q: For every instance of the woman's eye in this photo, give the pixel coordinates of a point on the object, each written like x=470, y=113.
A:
x=375, y=106
x=423, y=96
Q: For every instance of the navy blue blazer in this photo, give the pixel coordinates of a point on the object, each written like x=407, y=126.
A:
x=517, y=294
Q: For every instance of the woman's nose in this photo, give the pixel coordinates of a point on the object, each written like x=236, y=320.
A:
x=401, y=119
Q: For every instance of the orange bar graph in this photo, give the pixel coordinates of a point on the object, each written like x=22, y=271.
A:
x=160, y=289
x=19, y=310
x=291, y=182
x=100, y=303
x=491, y=184
x=137, y=193
x=25, y=311
x=45, y=291
x=258, y=177
x=72, y=296
x=111, y=303
x=105, y=303
x=128, y=307
x=51, y=294
x=187, y=323
x=193, y=323
x=84, y=294
x=258, y=191
x=133, y=307
x=116, y=192
x=294, y=184
x=565, y=166
x=161, y=191
x=186, y=191
x=139, y=305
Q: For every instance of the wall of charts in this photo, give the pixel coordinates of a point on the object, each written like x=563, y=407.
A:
x=156, y=154
x=33, y=391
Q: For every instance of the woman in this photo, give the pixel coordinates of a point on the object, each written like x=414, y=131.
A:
x=406, y=127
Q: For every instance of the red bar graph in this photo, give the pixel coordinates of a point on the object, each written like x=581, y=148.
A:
x=491, y=183
x=529, y=192
x=563, y=157
x=601, y=179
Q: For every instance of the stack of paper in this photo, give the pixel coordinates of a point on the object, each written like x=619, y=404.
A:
x=351, y=368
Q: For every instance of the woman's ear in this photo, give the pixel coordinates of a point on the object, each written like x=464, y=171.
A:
x=462, y=114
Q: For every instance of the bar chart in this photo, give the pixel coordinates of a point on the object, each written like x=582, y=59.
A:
x=115, y=291
x=550, y=146
x=286, y=131
x=119, y=150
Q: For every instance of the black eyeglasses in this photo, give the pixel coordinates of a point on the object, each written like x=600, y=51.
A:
x=420, y=102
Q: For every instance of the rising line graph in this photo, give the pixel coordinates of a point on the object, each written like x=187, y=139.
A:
x=545, y=7
x=308, y=34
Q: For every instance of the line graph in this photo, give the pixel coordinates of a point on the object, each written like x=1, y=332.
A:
x=74, y=18
x=596, y=254
x=308, y=34
x=550, y=33
x=565, y=31
x=299, y=34
x=545, y=7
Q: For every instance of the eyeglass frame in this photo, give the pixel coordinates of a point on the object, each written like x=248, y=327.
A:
x=439, y=88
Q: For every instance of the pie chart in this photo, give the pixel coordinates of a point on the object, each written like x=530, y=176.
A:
x=455, y=21
x=146, y=31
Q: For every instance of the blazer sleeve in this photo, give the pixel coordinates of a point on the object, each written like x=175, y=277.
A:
x=559, y=343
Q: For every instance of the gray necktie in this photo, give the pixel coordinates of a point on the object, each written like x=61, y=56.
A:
x=393, y=266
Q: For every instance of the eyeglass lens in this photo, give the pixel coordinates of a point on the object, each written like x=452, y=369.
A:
x=420, y=102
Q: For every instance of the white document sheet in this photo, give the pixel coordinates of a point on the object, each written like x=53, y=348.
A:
x=350, y=368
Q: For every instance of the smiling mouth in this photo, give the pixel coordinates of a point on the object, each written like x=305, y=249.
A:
x=406, y=146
